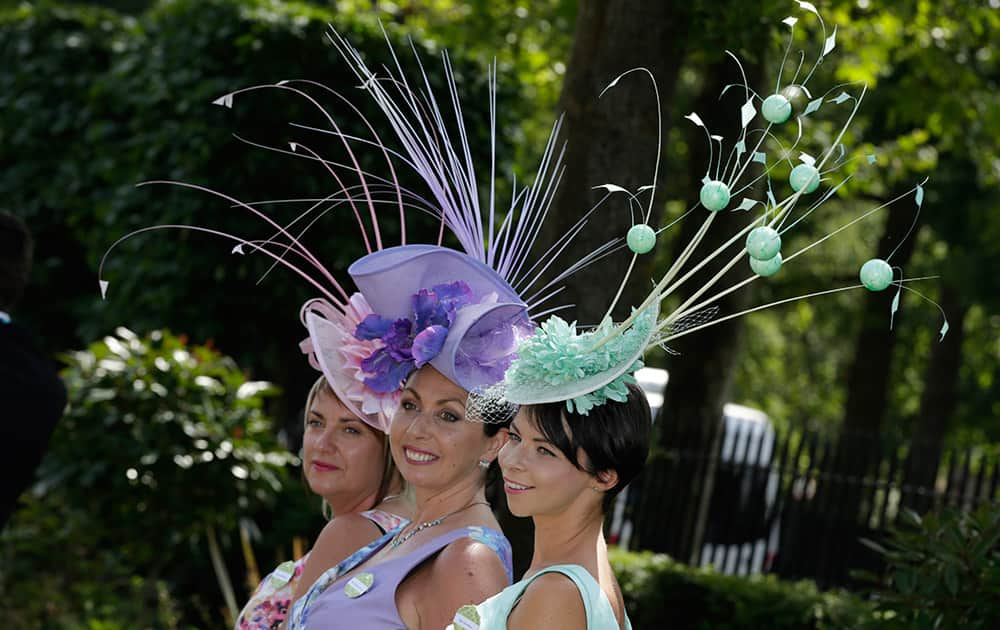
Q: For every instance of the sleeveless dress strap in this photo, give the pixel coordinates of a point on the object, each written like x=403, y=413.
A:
x=385, y=521
x=492, y=614
x=600, y=614
x=297, y=615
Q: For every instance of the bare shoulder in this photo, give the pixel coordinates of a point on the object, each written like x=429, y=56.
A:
x=550, y=601
x=466, y=550
x=398, y=504
x=341, y=537
x=465, y=572
x=347, y=532
x=472, y=566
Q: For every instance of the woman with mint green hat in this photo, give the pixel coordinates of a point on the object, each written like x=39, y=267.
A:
x=582, y=428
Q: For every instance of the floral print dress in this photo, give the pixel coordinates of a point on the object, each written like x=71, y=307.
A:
x=269, y=604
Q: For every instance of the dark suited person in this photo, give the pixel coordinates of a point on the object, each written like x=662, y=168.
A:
x=32, y=397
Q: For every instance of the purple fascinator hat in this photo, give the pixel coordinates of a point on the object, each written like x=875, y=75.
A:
x=459, y=310
x=434, y=305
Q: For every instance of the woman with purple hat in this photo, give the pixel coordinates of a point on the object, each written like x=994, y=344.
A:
x=443, y=324
x=428, y=325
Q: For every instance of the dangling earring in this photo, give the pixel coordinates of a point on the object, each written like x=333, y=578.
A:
x=484, y=464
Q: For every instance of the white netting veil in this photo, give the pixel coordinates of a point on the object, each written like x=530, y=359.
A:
x=489, y=405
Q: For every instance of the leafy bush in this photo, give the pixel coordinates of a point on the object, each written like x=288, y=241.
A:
x=660, y=592
x=943, y=570
x=159, y=428
x=161, y=446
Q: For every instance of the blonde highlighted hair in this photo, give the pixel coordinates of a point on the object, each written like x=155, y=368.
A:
x=389, y=471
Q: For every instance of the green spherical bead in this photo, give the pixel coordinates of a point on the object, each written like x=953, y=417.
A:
x=776, y=109
x=876, y=274
x=714, y=195
x=804, y=177
x=767, y=267
x=641, y=238
x=763, y=243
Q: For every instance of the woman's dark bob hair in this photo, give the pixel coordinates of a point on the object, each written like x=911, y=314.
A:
x=614, y=436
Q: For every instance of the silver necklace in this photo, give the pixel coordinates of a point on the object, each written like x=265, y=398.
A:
x=401, y=538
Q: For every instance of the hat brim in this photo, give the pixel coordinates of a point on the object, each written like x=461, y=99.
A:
x=328, y=337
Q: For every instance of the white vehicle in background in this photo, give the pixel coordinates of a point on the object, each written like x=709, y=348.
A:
x=741, y=534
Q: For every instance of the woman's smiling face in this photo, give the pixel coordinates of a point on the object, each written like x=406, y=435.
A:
x=432, y=444
x=538, y=479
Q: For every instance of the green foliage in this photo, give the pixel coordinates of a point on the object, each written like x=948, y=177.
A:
x=943, y=570
x=159, y=442
x=659, y=592
x=149, y=416
x=932, y=111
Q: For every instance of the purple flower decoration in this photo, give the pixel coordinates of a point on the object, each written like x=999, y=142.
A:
x=428, y=343
x=409, y=344
x=372, y=327
x=388, y=372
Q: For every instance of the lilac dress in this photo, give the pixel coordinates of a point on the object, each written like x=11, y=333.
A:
x=268, y=606
x=368, y=599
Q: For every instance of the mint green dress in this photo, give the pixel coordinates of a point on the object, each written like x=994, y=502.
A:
x=492, y=614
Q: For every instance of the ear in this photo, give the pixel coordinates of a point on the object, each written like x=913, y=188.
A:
x=494, y=444
x=606, y=480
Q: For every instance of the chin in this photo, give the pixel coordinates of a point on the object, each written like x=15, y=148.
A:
x=324, y=490
x=521, y=513
x=426, y=480
x=520, y=509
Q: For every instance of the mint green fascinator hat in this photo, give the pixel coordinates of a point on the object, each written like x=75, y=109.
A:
x=777, y=168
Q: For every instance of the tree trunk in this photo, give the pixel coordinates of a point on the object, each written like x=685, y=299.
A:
x=701, y=375
x=938, y=400
x=613, y=139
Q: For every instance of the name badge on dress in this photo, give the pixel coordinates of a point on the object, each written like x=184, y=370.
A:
x=359, y=585
x=466, y=618
x=283, y=574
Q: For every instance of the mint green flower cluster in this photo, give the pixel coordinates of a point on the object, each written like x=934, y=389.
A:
x=558, y=360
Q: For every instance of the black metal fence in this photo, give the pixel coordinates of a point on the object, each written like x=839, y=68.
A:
x=795, y=504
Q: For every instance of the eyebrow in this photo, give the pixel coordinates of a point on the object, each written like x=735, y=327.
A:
x=439, y=402
x=344, y=419
x=541, y=439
